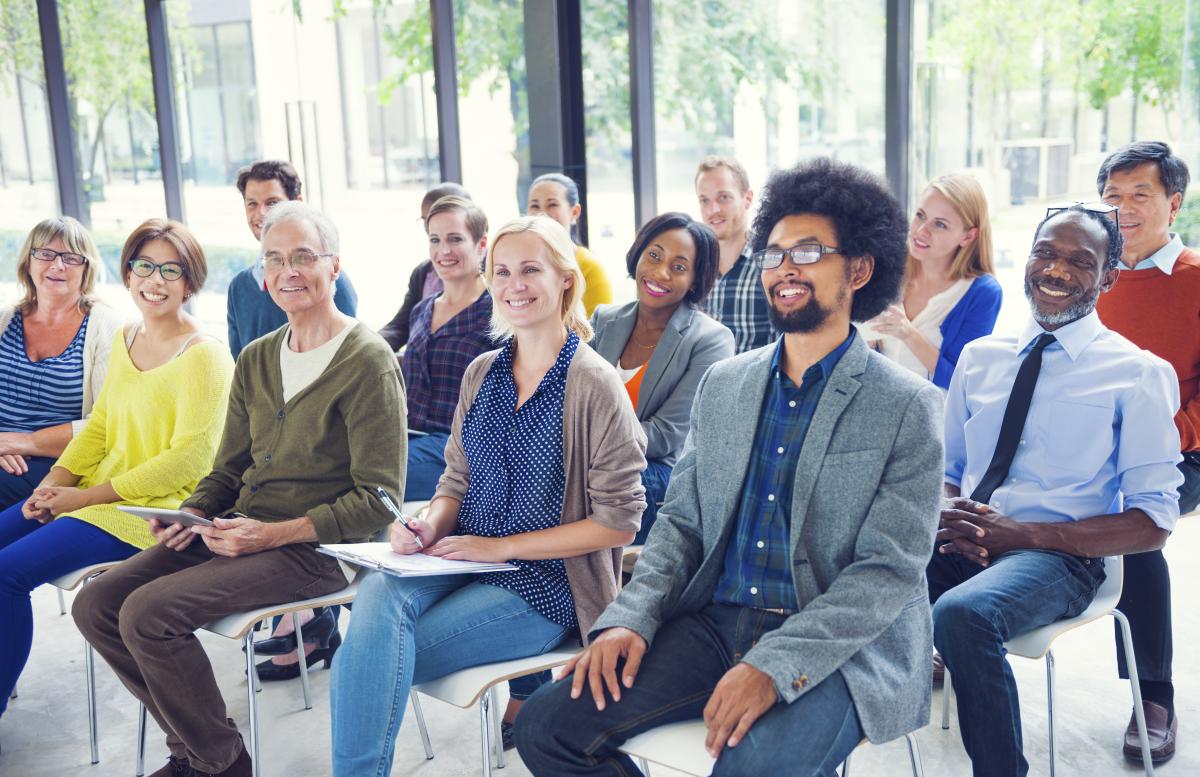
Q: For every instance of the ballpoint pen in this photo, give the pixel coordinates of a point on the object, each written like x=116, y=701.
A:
x=391, y=506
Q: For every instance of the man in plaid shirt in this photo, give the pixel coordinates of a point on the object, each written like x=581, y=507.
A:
x=737, y=300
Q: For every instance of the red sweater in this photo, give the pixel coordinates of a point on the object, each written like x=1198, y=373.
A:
x=1161, y=313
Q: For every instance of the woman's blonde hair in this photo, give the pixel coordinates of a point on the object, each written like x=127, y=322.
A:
x=78, y=240
x=562, y=257
x=970, y=203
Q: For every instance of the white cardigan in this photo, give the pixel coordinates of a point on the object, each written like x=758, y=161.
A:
x=103, y=323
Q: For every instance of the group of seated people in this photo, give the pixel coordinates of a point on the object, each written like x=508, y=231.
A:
x=820, y=504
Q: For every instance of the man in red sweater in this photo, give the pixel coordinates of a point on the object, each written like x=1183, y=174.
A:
x=1155, y=304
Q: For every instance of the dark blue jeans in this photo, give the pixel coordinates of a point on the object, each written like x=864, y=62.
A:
x=975, y=610
x=558, y=736
x=655, y=477
x=426, y=463
x=31, y=554
x=18, y=488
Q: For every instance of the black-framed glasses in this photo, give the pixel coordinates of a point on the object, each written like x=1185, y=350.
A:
x=300, y=259
x=144, y=268
x=802, y=253
x=48, y=255
x=1103, y=208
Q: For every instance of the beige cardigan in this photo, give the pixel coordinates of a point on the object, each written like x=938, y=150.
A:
x=103, y=323
x=604, y=451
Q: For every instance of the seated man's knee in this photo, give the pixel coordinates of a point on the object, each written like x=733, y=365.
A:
x=146, y=614
x=960, y=620
x=544, y=719
x=93, y=608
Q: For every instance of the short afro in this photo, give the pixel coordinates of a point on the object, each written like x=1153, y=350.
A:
x=866, y=217
x=1115, y=242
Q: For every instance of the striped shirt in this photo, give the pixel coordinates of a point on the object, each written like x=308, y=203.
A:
x=434, y=362
x=758, y=569
x=36, y=395
x=739, y=302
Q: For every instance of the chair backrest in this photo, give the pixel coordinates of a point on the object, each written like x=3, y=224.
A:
x=1114, y=579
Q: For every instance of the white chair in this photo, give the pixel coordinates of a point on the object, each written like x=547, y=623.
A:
x=680, y=746
x=240, y=626
x=478, y=685
x=69, y=582
x=1037, y=643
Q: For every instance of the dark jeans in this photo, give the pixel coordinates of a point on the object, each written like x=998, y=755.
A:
x=975, y=610
x=141, y=616
x=18, y=488
x=655, y=477
x=558, y=736
x=426, y=463
x=1146, y=595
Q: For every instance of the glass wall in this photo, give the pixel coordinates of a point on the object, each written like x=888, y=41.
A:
x=1030, y=97
x=768, y=82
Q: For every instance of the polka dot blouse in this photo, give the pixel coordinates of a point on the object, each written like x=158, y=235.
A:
x=516, y=478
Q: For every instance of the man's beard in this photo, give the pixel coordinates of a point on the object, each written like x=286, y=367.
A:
x=809, y=318
x=1082, y=306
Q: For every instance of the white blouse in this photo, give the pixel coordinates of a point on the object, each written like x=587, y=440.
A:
x=928, y=322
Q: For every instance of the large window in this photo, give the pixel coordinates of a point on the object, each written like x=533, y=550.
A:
x=769, y=82
x=1030, y=97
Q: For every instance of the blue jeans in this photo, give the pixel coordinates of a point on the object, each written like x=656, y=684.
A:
x=426, y=463
x=18, y=488
x=655, y=477
x=32, y=553
x=558, y=736
x=975, y=610
x=412, y=630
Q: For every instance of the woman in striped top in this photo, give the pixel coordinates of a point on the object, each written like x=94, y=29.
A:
x=150, y=438
x=54, y=347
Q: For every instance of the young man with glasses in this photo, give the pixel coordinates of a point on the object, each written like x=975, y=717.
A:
x=251, y=313
x=1060, y=451
x=1156, y=305
x=780, y=595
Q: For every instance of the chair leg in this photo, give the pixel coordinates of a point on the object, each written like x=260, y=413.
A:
x=62, y=603
x=914, y=755
x=1050, y=706
x=947, y=692
x=89, y=662
x=141, y=743
x=485, y=726
x=497, y=715
x=1139, y=714
x=252, y=701
x=303, y=659
x=416, y=705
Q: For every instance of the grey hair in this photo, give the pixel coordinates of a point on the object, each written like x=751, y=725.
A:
x=300, y=211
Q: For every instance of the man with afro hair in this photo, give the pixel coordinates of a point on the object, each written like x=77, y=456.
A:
x=780, y=595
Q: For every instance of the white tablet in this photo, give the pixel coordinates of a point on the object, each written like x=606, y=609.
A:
x=165, y=516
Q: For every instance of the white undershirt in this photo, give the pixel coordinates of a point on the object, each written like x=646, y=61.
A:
x=929, y=323
x=298, y=370
x=626, y=374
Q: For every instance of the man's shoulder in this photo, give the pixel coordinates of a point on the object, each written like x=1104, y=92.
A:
x=1115, y=349
x=883, y=374
x=243, y=280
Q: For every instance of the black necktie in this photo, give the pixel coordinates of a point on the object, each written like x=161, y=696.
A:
x=1014, y=420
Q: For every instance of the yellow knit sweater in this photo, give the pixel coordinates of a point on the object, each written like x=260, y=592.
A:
x=152, y=434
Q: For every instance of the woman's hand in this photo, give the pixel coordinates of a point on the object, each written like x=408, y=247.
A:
x=403, y=537
x=894, y=322
x=33, y=512
x=13, y=464
x=467, y=547
x=59, y=500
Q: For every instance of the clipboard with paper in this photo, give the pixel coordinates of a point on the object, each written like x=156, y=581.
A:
x=380, y=556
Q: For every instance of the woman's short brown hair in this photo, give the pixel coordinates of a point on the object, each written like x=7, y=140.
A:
x=191, y=255
x=77, y=240
x=473, y=215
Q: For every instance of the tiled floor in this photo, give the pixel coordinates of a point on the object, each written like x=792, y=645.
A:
x=44, y=732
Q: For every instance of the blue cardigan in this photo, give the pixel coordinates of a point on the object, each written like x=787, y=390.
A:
x=972, y=318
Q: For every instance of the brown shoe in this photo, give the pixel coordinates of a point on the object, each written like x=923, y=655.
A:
x=239, y=768
x=175, y=767
x=939, y=670
x=1160, y=733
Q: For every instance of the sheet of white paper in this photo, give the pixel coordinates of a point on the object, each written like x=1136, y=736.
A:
x=380, y=553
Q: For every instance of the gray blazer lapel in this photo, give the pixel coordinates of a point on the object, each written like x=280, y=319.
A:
x=663, y=358
x=841, y=387
x=738, y=428
x=617, y=325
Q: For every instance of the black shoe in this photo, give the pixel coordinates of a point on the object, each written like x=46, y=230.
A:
x=506, y=735
x=269, y=671
x=317, y=630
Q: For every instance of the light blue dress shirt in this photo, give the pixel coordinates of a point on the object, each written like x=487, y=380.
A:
x=1100, y=427
x=1165, y=257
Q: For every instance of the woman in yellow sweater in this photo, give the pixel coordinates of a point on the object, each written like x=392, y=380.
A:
x=557, y=196
x=152, y=435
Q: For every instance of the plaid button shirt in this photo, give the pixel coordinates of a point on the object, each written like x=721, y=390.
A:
x=738, y=301
x=434, y=362
x=758, y=569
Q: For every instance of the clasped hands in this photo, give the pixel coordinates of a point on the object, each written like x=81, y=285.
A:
x=48, y=502
x=740, y=697
x=976, y=532
x=234, y=536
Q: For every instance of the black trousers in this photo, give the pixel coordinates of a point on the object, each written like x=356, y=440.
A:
x=1146, y=595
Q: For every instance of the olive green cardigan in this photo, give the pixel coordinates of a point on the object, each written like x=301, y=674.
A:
x=321, y=454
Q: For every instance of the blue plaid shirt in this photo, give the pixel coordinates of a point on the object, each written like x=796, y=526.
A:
x=738, y=301
x=758, y=570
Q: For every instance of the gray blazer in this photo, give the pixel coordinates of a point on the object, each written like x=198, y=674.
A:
x=864, y=512
x=691, y=344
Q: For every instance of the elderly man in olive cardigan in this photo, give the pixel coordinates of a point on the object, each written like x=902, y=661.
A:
x=316, y=423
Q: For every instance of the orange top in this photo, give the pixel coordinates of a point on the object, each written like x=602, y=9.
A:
x=634, y=385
